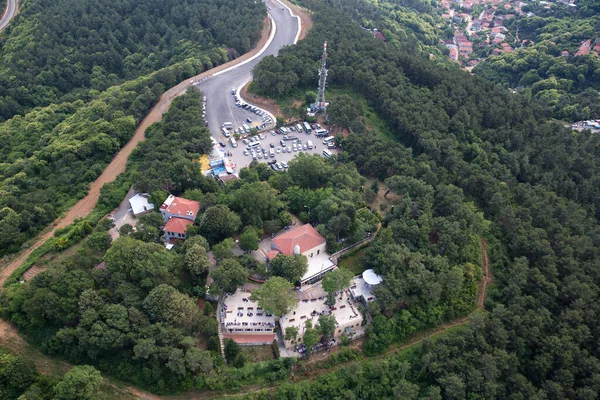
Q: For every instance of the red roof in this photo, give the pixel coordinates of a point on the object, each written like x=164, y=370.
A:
x=177, y=225
x=305, y=236
x=272, y=254
x=180, y=206
x=267, y=338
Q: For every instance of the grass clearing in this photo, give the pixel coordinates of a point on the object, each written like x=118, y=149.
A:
x=353, y=262
x=256, y=354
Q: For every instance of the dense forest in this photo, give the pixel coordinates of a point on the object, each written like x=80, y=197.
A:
x=19, y=379
x=55, y=48
x=536, y=182
x=51, y=154
x=136, y=316
x=566, y=85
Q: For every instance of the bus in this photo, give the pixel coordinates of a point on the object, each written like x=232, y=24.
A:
x=321, y=133
x=328, y=139
x=227, y=125
x=327, y=154
x=233, y=142
x=309, y=144
x=225, y=132
x=307, y=127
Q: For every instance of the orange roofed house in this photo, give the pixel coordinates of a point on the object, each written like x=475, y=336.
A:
x=307, y=241
x=178, y=214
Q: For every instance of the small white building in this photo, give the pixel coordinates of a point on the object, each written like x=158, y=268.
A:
x=361, y=286
x=244, y=321
x=140, y=204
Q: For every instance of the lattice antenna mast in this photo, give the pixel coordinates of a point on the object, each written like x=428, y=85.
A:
x=321, y=105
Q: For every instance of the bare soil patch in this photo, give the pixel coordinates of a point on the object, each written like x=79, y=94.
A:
x=263, y=102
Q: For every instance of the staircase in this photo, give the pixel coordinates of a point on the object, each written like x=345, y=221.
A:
x=220, y=325
x=32, y=272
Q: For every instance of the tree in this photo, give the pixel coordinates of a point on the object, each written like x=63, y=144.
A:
x=208, y=309
x=228, y=275
x=196, y=260
x=167, y=304
x=158, y=197
x=327, y=324
x=222, y=251
x=149, y=227
x=249, y=239
x=334, y=282
x=291, y=268
x=125, y=230
x=82, y=382
x=291, y=333
x=16, y=375
x=99, y=241
x=198, y=360
x=276, y=296
x=231, y=349
x=311, y=337
x=218, y=223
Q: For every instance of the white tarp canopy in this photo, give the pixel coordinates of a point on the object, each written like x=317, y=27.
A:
x=371, y=278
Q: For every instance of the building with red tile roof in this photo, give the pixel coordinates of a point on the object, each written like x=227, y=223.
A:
x=304, y=240
x=175, y=228
x=304, y=236
x=179, y=214
x=179, y=207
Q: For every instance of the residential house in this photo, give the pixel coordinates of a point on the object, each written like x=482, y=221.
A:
x=597, y=44
x=178, y=214
x=584, y=48
x=304, y=240
x=244, y=321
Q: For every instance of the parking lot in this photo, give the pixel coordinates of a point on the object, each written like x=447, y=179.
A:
x=270, y=139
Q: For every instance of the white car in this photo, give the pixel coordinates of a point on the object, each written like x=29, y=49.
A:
x=245, y=152
x=279, y=150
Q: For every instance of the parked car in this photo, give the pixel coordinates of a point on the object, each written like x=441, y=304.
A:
x=279, y=150
x=222, y=144
x=248, y=119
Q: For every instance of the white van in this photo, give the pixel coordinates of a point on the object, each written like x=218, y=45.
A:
x=327, y=154
x=272, y=152
x=233, y=142
x=299, y=128
x=309, y=144
x=225, y=132
x=328, y=139
x=253, y=145
x=227, y=125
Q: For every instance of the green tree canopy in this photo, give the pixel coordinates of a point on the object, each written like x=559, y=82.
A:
x=276, y=296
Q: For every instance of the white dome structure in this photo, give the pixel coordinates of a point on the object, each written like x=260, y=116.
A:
x=297, y=250
x=371, y=278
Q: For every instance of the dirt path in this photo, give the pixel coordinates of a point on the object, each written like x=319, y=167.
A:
x=117, y=166
x=487, y=276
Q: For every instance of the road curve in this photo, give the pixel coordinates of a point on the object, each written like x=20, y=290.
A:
x=220, y=105
x=117, y=166
x=9, y=13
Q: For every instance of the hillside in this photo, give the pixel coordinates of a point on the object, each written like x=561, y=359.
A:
x=531, y=180
x=51, y=153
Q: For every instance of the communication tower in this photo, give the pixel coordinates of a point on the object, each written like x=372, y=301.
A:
x=320, y=105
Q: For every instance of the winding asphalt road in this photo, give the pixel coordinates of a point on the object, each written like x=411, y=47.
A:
x=220, y=105
x=11, y=10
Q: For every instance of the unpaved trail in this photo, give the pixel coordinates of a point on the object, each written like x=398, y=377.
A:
x=117, y=166
x=487, y=277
